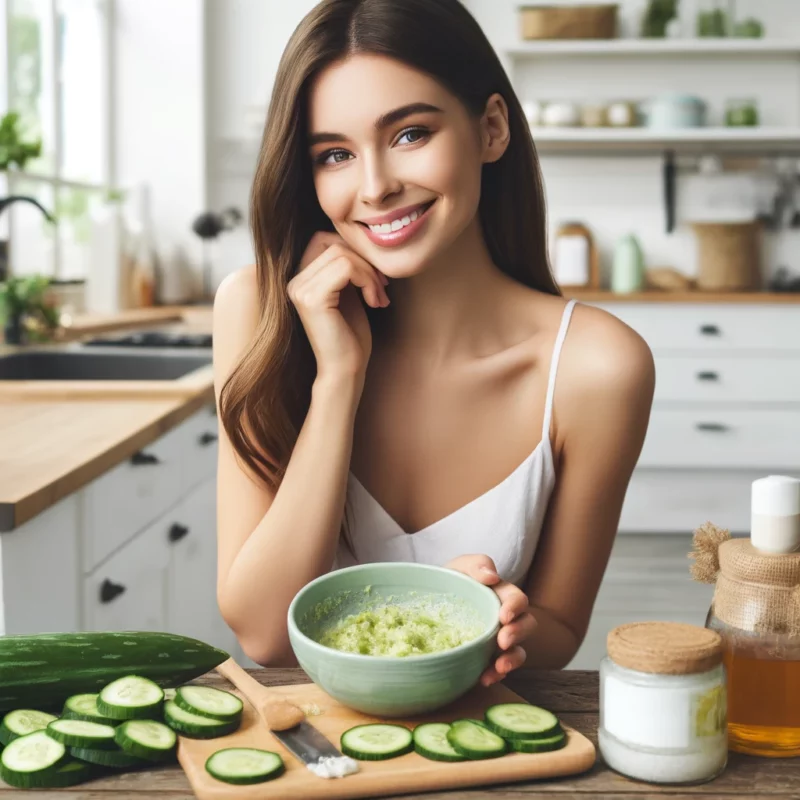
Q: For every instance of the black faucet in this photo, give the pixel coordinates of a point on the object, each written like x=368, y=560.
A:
x=4, y=203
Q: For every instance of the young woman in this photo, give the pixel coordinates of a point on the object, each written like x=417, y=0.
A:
x=398, y=376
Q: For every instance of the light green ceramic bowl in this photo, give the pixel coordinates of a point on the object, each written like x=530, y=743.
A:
x=390, y=686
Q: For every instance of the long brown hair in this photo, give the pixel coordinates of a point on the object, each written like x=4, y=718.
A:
x=265, y=400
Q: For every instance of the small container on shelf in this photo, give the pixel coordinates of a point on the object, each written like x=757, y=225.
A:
x=741, y=112
x=663, y=703
x=715, y=18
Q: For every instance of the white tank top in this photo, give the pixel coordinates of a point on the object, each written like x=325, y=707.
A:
x=503, y=523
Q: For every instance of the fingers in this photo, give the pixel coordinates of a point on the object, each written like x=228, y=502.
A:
x=480, y=567
x=507, y=662
x=317, y=245
x=319, y=284
x=517, y=631
x=514, y=601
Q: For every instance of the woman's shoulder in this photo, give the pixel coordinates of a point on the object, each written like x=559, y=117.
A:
x=236, y=316
x=606, y=366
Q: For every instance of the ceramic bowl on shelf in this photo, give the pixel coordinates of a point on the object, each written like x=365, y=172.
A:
x=393, y=686
x=674, y=111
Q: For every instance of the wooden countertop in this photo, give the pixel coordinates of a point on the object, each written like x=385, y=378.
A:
x=570, y=694
x=739, y=298
x=58, y=436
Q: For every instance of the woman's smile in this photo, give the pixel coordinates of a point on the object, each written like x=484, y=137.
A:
x=396, y=227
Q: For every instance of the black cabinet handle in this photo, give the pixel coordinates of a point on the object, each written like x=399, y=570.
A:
x=712, y=427
x=177, y=532
x=708, y=376
x=709, y=330
x=207, y=438
x=141, y=459
x=110, y=590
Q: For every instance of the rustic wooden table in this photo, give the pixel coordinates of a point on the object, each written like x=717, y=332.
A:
x=572, y=695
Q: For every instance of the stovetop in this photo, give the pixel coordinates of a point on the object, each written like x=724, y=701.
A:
x=153, y=339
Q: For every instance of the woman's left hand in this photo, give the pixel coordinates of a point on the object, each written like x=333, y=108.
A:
x=515, y=618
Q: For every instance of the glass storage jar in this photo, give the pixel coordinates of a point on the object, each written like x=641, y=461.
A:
x=756, y=611
x=663, y=703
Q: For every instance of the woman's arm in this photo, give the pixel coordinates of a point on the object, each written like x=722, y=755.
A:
x=604, y=393
x=271, y=545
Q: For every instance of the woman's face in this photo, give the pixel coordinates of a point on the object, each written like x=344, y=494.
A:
x=397, y=160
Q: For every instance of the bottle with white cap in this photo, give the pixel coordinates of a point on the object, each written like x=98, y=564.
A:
x=756, y=610
x=775, y=514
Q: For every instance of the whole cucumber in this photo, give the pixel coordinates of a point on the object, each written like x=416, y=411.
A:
x=41, y=670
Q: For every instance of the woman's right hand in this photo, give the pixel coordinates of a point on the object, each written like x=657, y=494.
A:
x=325, y=294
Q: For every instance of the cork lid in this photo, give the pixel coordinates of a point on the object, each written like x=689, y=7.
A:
x=665, y=648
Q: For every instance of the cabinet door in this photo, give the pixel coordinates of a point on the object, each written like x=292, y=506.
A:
x=193, y=609
x=129, y=592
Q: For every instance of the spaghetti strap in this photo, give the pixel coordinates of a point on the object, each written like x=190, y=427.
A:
x=551, y=381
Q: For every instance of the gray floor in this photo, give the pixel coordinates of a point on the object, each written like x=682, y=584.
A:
x=647, y=579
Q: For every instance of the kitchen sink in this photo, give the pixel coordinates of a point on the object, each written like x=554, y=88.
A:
x=109, y=365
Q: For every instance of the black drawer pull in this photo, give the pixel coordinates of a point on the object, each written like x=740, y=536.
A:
x=141, y=459
x=708, y=376
x=109, y=591
x=709, y=330
x=207, y=438
x=177, y=532
x=712, y=427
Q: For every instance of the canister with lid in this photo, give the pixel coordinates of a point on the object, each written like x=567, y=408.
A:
x=663, y=703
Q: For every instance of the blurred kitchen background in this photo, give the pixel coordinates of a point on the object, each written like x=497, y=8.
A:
x=669, y=135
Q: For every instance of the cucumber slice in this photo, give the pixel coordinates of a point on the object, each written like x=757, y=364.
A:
x=71, y=773
x=376, y=741
x=169, y=694
x=209, y=702
x=539, y=745
x=22, y=722
x=80, y=733
x=147, y=739
x=193, y=726
x=131, y=697
x=430, y=741
x=30, y=760
x=475, y=741
x=245, y=765
x=116, y=759
x=84, y=706
x=522, y=721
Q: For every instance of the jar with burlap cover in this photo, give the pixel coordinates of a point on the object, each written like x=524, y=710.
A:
x=755, y=592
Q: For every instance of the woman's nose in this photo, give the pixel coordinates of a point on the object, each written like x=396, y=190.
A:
x=377, y=181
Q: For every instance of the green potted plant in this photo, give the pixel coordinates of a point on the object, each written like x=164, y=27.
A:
x=26, y=310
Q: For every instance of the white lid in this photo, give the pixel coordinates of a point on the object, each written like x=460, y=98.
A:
x=775, y=509
x=776, y=496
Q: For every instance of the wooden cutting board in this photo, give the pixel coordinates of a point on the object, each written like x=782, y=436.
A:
x=405, y=774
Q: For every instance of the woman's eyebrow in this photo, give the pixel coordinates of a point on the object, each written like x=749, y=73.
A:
x=383, y=121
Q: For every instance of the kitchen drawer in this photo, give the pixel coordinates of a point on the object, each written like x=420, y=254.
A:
x=200, y=435
x=133, y=494
x=721, y=437
x=708, y=327
x=672, y=501
x=727, y=379
x=130, y=591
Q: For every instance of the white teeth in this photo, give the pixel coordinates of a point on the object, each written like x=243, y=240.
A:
x=396, y=225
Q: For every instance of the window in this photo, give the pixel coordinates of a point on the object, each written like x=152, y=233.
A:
x=58, y=54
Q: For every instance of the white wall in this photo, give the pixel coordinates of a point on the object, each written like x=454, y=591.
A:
x=245, y=41
x=161, y=120
x=613, y=196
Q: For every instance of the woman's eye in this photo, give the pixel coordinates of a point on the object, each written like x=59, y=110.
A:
x=412, y=135
x=330, y=157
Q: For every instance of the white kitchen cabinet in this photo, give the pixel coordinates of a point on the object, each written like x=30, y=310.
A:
x=726, y=411
x=192, y=604
x=130, y=591
x=134, y=550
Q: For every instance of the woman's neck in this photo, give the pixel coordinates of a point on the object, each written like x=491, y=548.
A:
x=454, y=306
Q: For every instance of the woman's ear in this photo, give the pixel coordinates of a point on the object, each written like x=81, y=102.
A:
x=495, y=131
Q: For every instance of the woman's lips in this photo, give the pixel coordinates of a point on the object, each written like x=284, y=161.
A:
x=402, y=235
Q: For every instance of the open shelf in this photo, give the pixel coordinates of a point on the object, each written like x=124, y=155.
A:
x=656, y=47
x=756, y=140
